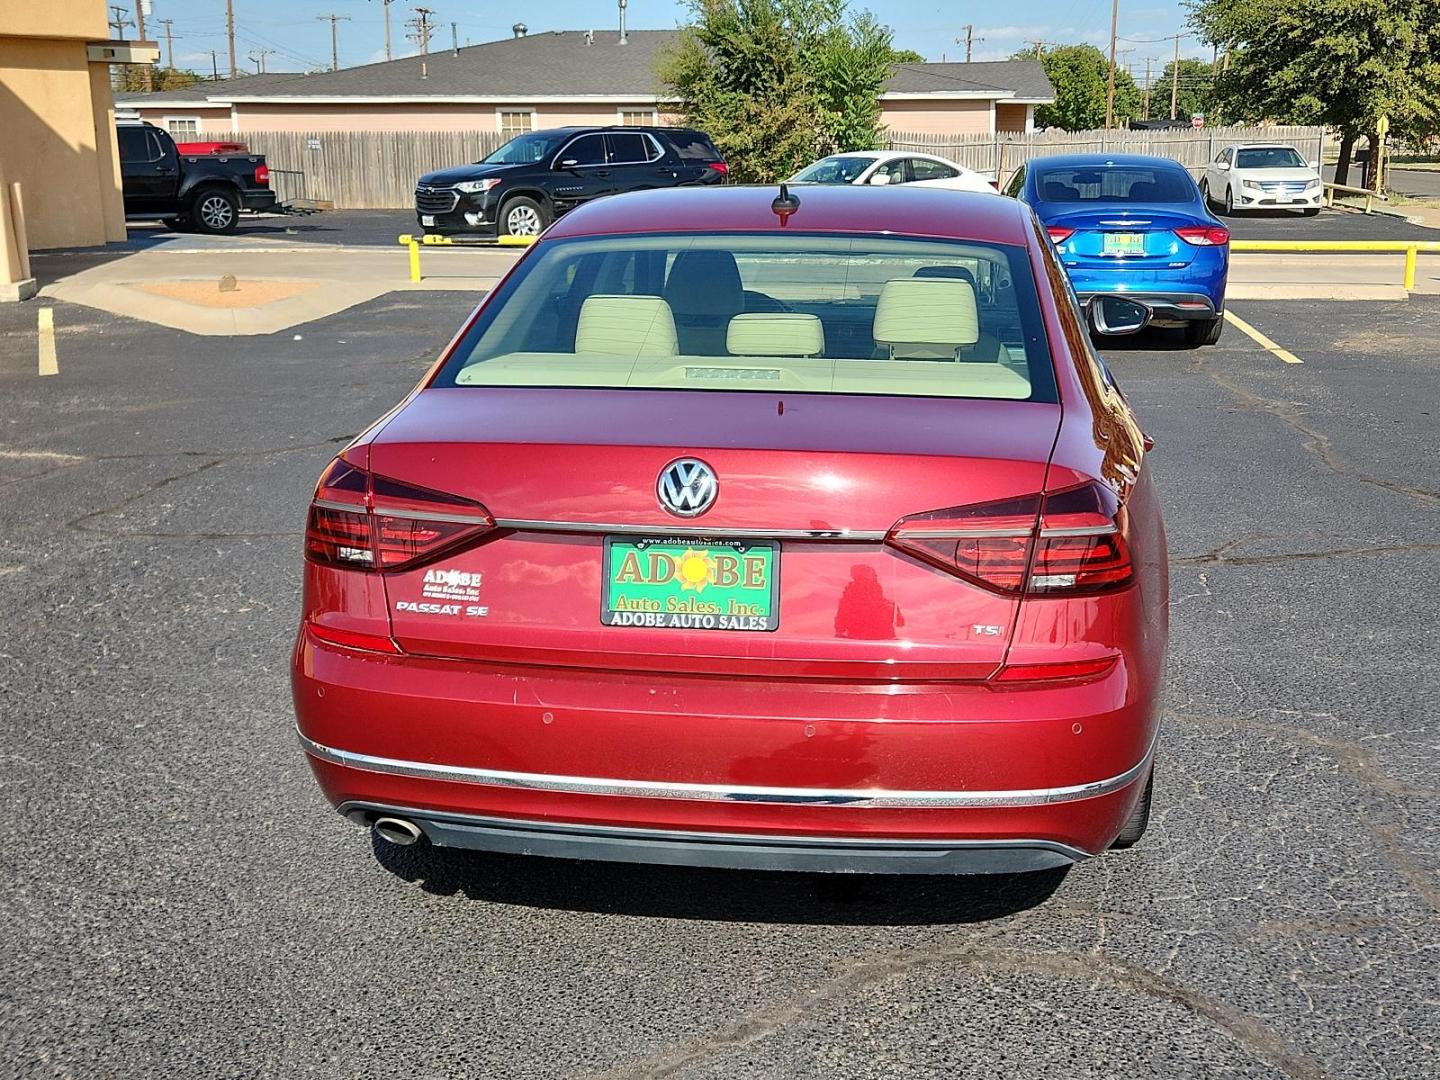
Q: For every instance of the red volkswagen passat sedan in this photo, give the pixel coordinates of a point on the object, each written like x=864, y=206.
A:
x=750, y=531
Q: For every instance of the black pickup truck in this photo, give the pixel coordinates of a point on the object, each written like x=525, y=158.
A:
x=204, y=193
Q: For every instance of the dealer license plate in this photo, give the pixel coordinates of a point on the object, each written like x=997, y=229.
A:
x=678, y=583
x=1124, y=243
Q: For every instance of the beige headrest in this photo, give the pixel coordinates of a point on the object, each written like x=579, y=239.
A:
x=935, y=312
x=626, y=326
x=776, y=333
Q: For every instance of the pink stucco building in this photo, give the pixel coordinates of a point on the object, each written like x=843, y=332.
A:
x=551, y=79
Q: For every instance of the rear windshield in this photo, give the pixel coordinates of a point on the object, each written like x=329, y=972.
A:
x=693, y=146
x=1114, y=183
x=1269, y=157
x=840, y=169
x=791, y=313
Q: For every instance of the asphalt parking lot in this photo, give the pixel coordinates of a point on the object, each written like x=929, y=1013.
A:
x=381, y=227
x=179, y=900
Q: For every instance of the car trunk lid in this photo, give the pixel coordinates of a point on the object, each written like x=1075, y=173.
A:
x=811, y=482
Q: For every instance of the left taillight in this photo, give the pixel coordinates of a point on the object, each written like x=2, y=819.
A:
x=262, y=175
x=1068, y=542
x=1204, y=236
x=360, y=521
x=719, y=166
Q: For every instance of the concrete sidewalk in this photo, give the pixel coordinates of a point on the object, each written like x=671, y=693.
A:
x=276, y=285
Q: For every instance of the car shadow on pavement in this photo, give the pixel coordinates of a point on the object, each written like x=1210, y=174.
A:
x=678, y=892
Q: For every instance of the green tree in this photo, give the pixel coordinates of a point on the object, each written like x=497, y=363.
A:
x=131, y=78
x=1080, y=75
x=778, y=82
x=1344, y=63
x=1195, y=90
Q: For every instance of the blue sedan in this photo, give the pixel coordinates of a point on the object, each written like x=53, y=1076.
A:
x=1132, y=226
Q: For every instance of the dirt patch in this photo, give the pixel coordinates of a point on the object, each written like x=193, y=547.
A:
x=245, y=294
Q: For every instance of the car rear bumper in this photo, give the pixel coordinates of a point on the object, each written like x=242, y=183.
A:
x=732, y=851
x=954, y=768
x=1168, y=308
x=258, y=200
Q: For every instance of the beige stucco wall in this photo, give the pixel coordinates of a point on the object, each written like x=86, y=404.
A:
x=936, y=116
x=438, y=116
x=57, y=122
x=214, y=119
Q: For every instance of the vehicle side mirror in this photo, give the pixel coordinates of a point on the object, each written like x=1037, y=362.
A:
x=1223, y=166
x=880, y=179
x=569, y=163
x=1115, y=316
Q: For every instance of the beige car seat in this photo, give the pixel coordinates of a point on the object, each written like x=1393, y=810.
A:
x=775, y=334
x=926, y=318
x=612, y=325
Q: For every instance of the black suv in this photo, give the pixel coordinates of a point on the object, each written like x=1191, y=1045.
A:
x=525, y=184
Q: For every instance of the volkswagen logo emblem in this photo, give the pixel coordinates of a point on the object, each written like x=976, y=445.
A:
x=687, y=487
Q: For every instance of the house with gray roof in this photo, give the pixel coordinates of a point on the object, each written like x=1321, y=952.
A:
x=552, y=79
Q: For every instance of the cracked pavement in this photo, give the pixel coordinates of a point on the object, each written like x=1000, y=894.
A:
x=178, y=899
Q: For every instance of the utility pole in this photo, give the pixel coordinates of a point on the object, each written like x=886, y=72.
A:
x=257, y=57
x=1110, y=89
x=423, y=26
x=119, y=22
x=389, y=55
x=335, y=20
x=1039, y=48
x=1175, y=78
x=970, y=40
x=147, y=74
x=230, y=33
x=169, y=43
x=1148, y=61
x=214, y=65
x=454, y=39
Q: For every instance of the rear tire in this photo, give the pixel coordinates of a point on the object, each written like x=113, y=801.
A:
x=523, y=216
x=1139, y=818
x=215, y=211
x=1205, y=332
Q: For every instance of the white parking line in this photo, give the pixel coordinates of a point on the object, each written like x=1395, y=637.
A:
x=1263, y=341
x=49, y=362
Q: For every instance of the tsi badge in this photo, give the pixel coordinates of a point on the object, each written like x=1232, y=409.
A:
x=687, y=487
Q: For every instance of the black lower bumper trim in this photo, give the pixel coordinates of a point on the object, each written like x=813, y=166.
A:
x=735, y=851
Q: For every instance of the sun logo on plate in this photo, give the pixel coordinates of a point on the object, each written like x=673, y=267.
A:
x=695, y=570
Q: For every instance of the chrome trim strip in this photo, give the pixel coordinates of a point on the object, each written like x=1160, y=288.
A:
x=432, y=515
x=668, y=529
x=1083, y=530
x=395, y=511
x=652, y=789
x=960, y=534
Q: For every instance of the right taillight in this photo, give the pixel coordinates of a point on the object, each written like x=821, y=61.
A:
x=360, y=521
x=1204, y=235
x=1065, y=543
x=1059, y=234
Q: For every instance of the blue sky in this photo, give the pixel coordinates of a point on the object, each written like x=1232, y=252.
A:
x=300, y=41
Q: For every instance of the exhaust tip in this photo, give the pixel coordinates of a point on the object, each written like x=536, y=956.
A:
x=398, y=831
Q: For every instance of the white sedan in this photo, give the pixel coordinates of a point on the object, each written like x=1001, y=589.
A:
x=1251, y=176
x=893, y=167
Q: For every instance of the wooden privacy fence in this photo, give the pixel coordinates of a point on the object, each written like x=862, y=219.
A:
x=1001, y=153
x=377, y=170
x=369, y=170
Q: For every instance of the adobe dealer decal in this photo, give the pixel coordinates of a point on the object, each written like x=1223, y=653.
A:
x=447, y=592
